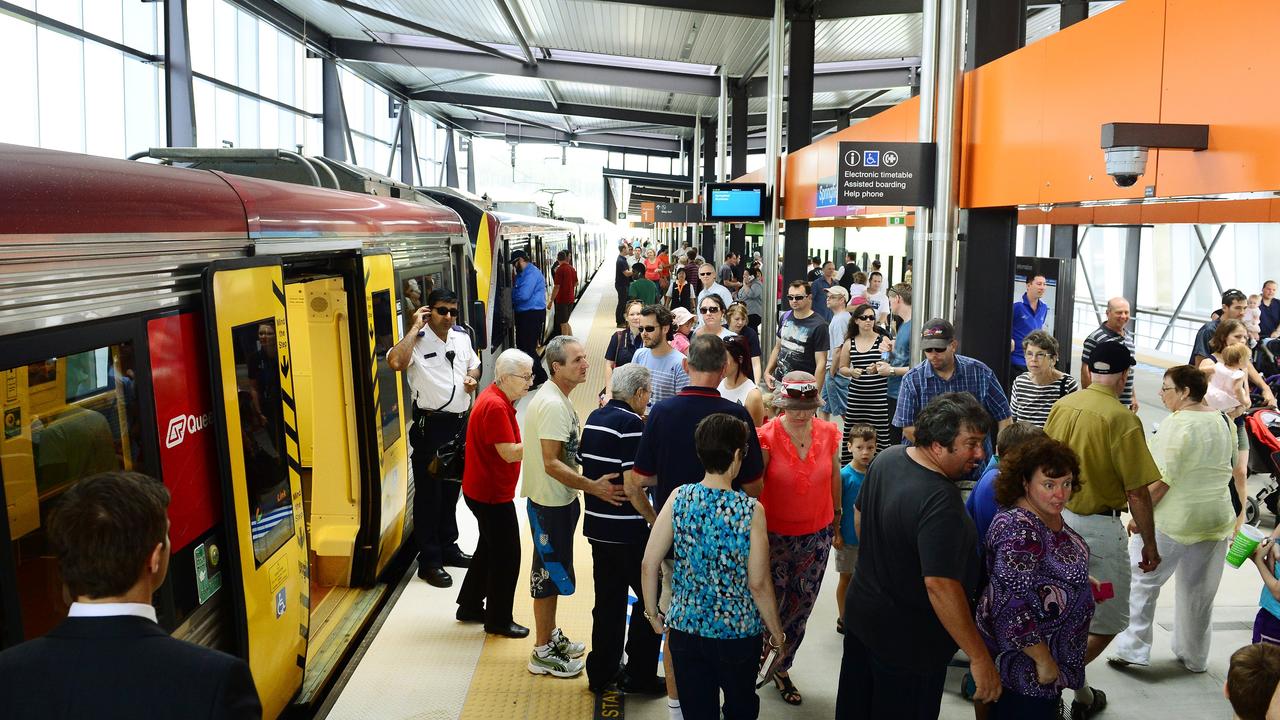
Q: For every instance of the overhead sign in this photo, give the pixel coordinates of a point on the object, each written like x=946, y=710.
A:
x=886, y=173
x=646, y=212
x=677, y=213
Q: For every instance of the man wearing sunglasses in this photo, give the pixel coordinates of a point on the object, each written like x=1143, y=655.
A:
x=529, y=301
x=442, y=370
x=803, y=341
x=707, y=275
x=944, y=371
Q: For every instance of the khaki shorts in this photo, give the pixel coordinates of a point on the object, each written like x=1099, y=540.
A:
x=846, y=558
x=664, y=595
x=1108, y=562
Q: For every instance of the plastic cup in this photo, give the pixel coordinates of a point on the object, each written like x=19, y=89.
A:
x=1243, y=545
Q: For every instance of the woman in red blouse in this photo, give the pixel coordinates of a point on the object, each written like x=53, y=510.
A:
x=801, y=499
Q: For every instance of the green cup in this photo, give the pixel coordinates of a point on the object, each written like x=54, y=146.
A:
x=1243, y=545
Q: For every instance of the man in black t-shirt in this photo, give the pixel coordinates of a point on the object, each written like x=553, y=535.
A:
x=909, y=604
x=802, y=339
x=622, y=282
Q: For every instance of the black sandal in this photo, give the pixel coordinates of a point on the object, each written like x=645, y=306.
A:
x=790, y=695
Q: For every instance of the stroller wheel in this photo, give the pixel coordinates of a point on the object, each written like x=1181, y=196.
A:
x=1252, y=511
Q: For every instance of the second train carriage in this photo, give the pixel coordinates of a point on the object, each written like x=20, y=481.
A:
x=228, y=335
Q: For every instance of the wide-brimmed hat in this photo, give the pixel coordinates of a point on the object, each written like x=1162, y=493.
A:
x=680, y=316
x=798, y=390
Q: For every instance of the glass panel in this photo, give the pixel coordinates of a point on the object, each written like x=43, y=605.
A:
x=68, y=418
x=21, y=101
x=142, y=107
x=142, y=25
x=61, y=65
x=247, y=51
x=388, y=408
x=262, y=432
x=103, y=18
x=268, y=62
x=224, y=42
x=68, y=11
x=104, y=93
x=200, y=31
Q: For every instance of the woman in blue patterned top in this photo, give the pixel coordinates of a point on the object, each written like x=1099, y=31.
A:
x=1034, y=613
x=721, y=592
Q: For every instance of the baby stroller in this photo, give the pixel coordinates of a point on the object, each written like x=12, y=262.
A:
x=1262, y=425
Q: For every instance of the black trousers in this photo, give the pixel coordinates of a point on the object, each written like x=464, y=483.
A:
x=706, y=666
x=495, y=566
x=435, y=500
x=620, y=314
x=615, y=568
x=529, y=327
x=870, y=690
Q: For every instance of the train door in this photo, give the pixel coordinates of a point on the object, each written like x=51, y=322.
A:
x=72, y=407
x=256, y=429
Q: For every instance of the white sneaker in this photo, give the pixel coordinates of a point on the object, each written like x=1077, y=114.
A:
x=567, y=647
x=553, y=663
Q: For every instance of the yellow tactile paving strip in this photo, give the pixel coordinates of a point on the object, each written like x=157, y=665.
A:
x=502, y=687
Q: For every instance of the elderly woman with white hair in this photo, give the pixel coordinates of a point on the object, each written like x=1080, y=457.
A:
x=493, y=454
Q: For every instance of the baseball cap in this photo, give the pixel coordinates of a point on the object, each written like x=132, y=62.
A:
x=1111, y=357
x=937, y=334
x=519, y=255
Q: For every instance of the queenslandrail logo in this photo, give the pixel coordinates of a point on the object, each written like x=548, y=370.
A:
x=181, y=425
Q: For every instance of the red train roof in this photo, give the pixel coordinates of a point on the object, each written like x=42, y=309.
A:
x=50, y=192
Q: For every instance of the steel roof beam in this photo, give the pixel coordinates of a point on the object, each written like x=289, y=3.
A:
x=425, y=29
x=844, y=80
x=648, y=117
x=560, y=70
x=618, y=142
x=824, y=10
x=656, y=183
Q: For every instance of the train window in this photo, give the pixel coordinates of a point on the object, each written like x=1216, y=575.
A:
x=415, y=286
x=262, y=431
x=388, y=411
x=65, y=418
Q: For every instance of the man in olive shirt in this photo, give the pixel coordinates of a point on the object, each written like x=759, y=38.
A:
x=1115, y=469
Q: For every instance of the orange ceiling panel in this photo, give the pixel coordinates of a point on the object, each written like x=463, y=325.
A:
x=1000, y=160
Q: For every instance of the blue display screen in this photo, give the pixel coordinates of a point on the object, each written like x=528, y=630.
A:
x=736, y=203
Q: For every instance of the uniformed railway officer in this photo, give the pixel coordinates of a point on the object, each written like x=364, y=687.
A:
x=442, y=371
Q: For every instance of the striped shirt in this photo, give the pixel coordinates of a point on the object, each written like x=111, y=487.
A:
x=609, y=441
x=1106, y=334
x=666, y=373
x=1031, y=402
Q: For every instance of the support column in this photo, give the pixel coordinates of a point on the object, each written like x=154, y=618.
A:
x=408, y=146
x=335, y=126
x=773, y=151
x=722, y=160
x=1072, y=12
x=837, y=234
x=1063, y=245
x=471, y=165
x=709, y=249
x=738, y=157
x=180, y=104
x=1132, y=249
x=450, y=160
x=799, y=133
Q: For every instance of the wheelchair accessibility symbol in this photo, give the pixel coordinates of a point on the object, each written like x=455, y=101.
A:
x=853, y=158
x=890, y=159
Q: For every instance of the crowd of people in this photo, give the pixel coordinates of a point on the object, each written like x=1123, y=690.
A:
x=1028, y=521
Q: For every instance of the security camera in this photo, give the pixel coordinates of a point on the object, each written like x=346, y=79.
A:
x=1126, y=164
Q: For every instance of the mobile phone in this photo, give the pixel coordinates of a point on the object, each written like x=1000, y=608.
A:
x=1103, y=591
x=764, y=675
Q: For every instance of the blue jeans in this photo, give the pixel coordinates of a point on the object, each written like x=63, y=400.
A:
x=706, y=666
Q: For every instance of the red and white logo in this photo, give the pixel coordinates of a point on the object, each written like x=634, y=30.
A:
x=183, y=424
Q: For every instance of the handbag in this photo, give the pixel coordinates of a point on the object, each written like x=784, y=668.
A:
x=450, y=459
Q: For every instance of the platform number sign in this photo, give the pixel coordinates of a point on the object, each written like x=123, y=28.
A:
x=885, y=173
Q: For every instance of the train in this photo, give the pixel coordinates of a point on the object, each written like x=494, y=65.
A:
x=228, y=335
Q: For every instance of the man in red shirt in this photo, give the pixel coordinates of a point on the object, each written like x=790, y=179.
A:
x=489, y=475
x=565, y=280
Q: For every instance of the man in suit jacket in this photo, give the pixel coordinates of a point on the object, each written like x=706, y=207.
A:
x=109, y=658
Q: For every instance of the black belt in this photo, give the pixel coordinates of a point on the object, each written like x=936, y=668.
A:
x=419, y=412
x=1112, y=513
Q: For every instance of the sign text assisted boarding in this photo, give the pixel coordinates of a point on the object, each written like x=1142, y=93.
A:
x=886, y=173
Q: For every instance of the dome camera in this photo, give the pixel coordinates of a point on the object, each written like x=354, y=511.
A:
x=1126, y=164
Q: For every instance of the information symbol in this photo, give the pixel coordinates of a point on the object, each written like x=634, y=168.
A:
x=890, y=158
x=852, y=158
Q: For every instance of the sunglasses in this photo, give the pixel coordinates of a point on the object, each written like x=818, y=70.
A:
x=648, y=328
x=796, y=298
x=930, y=351
x=800, y=390
x=865, y=317
x=445, y=311
x=709, y=310
x=706, y=274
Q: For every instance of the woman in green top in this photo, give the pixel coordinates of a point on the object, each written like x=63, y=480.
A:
x=1194, y=518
